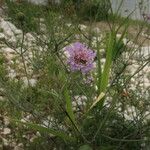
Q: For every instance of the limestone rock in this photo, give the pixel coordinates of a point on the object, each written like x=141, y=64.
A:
x=6, y=131
x=9, y=29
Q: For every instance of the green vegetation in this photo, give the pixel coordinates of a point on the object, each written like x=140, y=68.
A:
x=62, y=110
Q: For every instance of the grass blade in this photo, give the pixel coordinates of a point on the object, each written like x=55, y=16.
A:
x=42, y=129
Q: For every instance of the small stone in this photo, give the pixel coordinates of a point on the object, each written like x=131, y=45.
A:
x=6, y=131
x=74, y=104
x=12, y=40
x=119, y=35
x=125, y=41
x=33, y=138
x=8, y=50
x=96, y=30
x=2, y=36
x=38, y=134
x=103, y=60
x=30, y=37
x=1, y=99
x=6, y=121
x=147, y=115
x=19, y=147
x=5, y=142
x=32, y=82
x=82, y=27
x=12, y=74
x=69, y=24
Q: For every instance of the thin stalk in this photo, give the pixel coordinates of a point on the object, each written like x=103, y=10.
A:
x=22, y=57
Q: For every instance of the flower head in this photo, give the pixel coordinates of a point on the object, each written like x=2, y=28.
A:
x=81, y=58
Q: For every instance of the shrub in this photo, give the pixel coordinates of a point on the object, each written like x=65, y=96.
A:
x=94, y=9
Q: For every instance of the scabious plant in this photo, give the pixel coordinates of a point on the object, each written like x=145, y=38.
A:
x=81, y=58
x=87, y=107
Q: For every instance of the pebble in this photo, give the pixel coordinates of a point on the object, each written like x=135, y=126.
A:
x=82, y=27
x=29, y=37
x=9, y=28
x=19, y=147
x=32, y=82
x=1, y=99
x=5, y=142
x=12, y=74
x=6, y=131
x=2, y=36
x=6, y=121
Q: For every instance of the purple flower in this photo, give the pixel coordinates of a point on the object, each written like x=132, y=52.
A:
x=81, y=58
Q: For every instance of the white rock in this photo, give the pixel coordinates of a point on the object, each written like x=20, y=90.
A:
x=6, y=121
x=12, y=74
x=9, y=29
x=8, y=50
x=128, y=117
x=146, y=69
x=147, y=115
x=103, y=60
x=9, y=58
x=46, y=123
x=118, y=35
x=32, y=82
x=24, y=120
x=133, y=68
x=19, y=147
x=143, y=52
x=82, y=27
x=5, y=142
x=69, y=24
x=2, y=36
x=6, y=28
x=6, y=131
x=125, y=41
x=12, y=40
x=29, y=37
x=80, y=97
x=80, y=103
x=147, y=84
x=37, y=2
x=38, y=134
x=33, y=138
x=1, y=99
x=96, y=30
x=74, y=104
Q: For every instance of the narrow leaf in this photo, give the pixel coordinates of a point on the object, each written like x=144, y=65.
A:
x=42, y=129
x=99, y=70
x=97, y=100
x=107, y=66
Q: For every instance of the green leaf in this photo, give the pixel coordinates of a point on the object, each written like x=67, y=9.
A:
x=101, y=96
x=42, y=129
x=85, y=147
x=119, y=45
x=99, y=70
x=107, y=66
